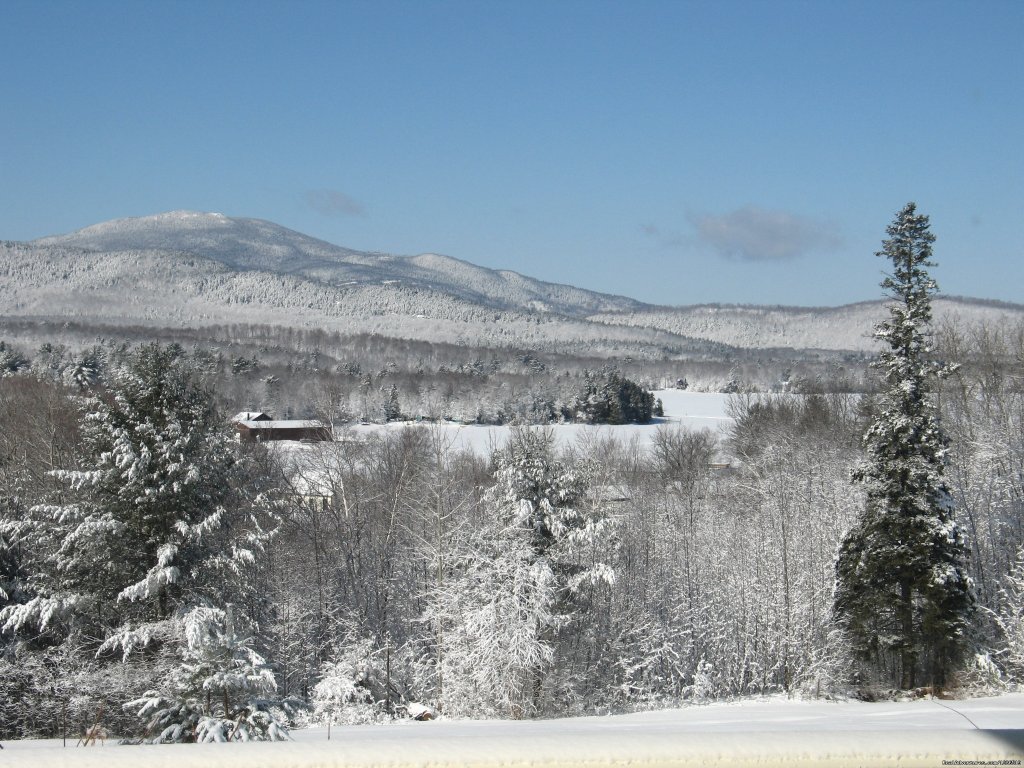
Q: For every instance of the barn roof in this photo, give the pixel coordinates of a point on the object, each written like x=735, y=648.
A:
x=244, y=416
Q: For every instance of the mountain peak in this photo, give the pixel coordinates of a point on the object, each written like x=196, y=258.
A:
x=237, y=242
x=158, y=221
x=258, y=245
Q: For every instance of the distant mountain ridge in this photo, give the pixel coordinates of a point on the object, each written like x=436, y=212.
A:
x=255, y=244
x=848, y=327
x=185, y=268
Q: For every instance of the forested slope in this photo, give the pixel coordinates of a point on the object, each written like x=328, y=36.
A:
x=163, y=288
x=834, y=328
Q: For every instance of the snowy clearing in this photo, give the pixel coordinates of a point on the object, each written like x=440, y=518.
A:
x=690, y=410
x=773, y=731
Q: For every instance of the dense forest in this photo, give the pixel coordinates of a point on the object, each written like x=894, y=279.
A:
x=161, y=579
x=312, y=373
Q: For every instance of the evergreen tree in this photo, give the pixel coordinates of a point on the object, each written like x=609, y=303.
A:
x=154, y=526
x=520, y=581
x=607, y=397
x=222, y=690
x=902, y=591
x=392, y=407
x=11, y=360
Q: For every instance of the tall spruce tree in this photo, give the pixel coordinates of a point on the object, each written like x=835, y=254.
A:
x=902, y=591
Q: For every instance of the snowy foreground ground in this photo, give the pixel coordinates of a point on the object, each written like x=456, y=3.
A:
x=690, y=410
x=767, y=732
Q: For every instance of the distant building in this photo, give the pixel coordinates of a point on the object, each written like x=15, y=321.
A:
x=250, y=416
x=262, y=430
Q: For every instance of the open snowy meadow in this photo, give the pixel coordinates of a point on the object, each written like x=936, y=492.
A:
x=689, y=410
x=764, y=732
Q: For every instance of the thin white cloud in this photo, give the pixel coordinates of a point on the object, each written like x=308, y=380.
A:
x=333, y=202
x=758, y=234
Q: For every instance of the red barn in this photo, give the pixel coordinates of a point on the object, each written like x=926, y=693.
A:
x=265, y=429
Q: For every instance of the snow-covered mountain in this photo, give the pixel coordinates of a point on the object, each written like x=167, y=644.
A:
x=257, y=245
x=197, y=269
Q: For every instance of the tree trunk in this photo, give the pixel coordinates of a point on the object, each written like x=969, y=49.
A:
x=908, y=653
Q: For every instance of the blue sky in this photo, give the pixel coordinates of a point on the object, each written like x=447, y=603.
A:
x=677, y=152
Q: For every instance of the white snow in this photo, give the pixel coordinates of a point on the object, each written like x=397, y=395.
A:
x=773, y=731
x=689, y=410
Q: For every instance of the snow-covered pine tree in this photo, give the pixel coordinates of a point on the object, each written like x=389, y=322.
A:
x=517, y=582
x=152, y=526
x=607, y=397
x=11, y=360
x=392, y=407
x=222, y=690
x=902, y=590
x=114, y=544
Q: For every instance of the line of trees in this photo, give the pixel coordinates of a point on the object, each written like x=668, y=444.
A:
x=310, y=373
x=519, y=391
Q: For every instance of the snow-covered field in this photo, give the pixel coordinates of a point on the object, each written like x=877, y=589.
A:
x=691, y=410
x=772, y=731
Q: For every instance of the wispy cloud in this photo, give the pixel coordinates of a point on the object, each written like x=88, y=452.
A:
x=758, y=234
x=663, y=238
x=333, y=202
